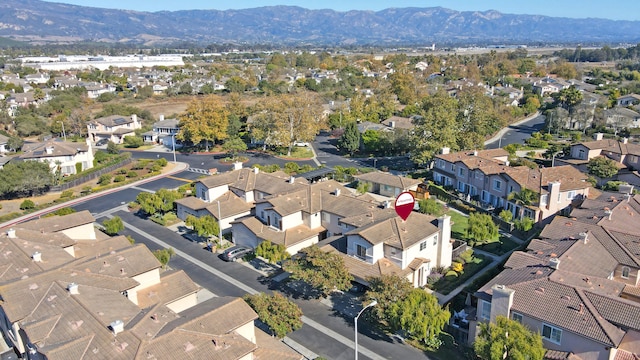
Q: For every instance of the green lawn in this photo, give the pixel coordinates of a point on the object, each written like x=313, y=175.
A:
x=459, y=224
x=448, y=283
x=499, y=247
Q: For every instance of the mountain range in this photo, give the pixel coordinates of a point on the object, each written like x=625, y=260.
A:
x=39, y=21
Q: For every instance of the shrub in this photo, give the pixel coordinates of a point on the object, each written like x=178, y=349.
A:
x=122, y=171
x=139, y=165
x=162, y=162
x=155, y=168
x=66, y=194
x=457, y=267
x=451, y=273
x=78, y=168
x=27, y=205
x=132, y=174
x=525, y=224
x=104, y=179
x=506, y=215
x=133, y=142
x=119, y=178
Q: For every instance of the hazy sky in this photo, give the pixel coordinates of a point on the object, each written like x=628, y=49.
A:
x=615, y=10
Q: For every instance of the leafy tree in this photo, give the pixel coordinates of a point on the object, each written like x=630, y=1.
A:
x=113, y=226
x=431, y=207
x=323, y=270
x=526, y=197
x=104, y=179
x=64, y=211
x=481, y=228
x=234, y=145
x=371, y=140
x=508, y=340
x=350, y=139
x=435, y=128
x=286, y=119
x=524, y=224
x=204, y=225
x=420, y=316
x=168, y=199
x=25, y=178
x=506, y=215
x=272, y=252
x=363, y=187
x=280, y=314
x=164, y=255
x=205, y=119
x=602, y=167
x=387, y=290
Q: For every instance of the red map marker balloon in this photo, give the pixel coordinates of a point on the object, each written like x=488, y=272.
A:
x=404, y=205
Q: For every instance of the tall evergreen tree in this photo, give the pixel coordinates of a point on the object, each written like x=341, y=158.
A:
x=350, y=139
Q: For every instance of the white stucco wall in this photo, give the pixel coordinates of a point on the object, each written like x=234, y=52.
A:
x=145, y=280
x=183, y=303
x=82, y=232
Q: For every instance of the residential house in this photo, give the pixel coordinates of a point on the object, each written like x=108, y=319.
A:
x=296, y=214
x=486, y=177
x=386, y=184
x=4, y=144
x=577, y=284
x=549, y=85
x=620, y=118
x=399, y=122
x=104, y=298
x=628, y=100
x=113, y=128
x=624, y=153
x=95, y=90
x=63, y=157
x=164, y=131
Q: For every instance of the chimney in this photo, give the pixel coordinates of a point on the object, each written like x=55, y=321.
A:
x=337, y=192
x=501, y=301
x=445, y=150
x=608, y=213
x=134, y=118
x=392, y=124
x=554, y=195
x=506, y=163
x=11, y=233
x=554, y=263
x=49, y=150
x=292, y=180
x=475, y=152
x=161, y=117
x=625, y=140
x=444, y=227
x=117, y=327
x=237, y=165
x=73, y=289
x=386, y=204
x=37, y=256
x=256, y=170
x=597, y=136
x=584, y=236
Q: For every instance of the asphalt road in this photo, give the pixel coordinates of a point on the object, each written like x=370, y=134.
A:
x=517, y=134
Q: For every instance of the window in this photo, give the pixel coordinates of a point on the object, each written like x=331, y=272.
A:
x=510, y=189
x=625, y=272
x=551, y=333
x=453, y=168
x=423, y=245
x=571, y=195
x=543, y=200
x=326, y=217
x=497, y=184
x=461, y=171
x=441, y=164
x=581, y=154
x=517, y=317
x=435, y=240
x=361, y=251
x=485, y=310
x=478, y=175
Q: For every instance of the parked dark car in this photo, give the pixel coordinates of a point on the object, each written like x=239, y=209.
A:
x=102, y=142
x=235, y=253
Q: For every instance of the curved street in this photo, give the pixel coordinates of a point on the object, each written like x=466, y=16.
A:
x=516, y=133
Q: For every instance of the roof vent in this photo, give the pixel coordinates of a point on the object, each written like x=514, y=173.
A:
x=73, y=289
x=337, y=192
x=117, y=327
x=11, y=233
x=554, y=263
x=584, y=236
x=475, y=152
x=37, y=256
x=608, y=213
x=256, y=170
x=292, y=180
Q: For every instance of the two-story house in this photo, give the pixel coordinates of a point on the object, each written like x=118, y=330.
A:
x=113, y=128
x=163, y=132
x=62, y=157
x=577, y=285
x=103, y=298
x=386, y=184
x=486, y=176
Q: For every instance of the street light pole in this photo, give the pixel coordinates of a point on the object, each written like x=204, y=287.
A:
x=64, y=134
x=355, y=323
x=173, y=138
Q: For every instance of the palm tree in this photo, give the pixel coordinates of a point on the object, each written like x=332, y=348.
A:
x=525, y=197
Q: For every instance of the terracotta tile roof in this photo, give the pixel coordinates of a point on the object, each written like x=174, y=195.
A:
x=148, y=323
x=560, y=355
x=602, y=286
x=248, y=180
x=489, y=155
x=384, y=178
x=193, y=203
x=519, y=259
x=398, y=233
x=230, y=205
x=345, y=205
x=363, y=270
x=272, y=348
x=54, y=239
x=59, y=148
x=53, y=224
x=184, y=344
x=173, y=286
x=94, y=248
x=287, y=238
x=128, y=262
x=369, y=217
x=621, y=312
x=113, y=120
x=630, y=345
